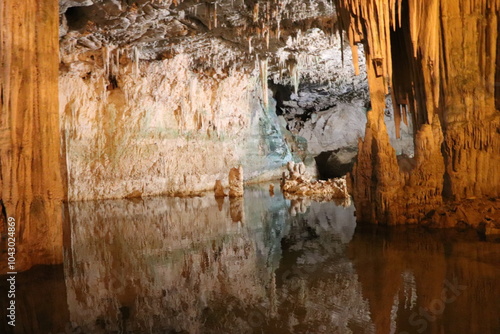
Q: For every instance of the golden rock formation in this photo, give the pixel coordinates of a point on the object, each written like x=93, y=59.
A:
x=30, y=179
x=439, y=61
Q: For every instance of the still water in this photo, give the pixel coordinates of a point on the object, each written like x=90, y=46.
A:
x=261, y=264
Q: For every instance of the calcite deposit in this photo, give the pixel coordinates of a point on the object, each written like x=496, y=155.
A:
x=298, y=183
x=440, y=62
x=236, y=182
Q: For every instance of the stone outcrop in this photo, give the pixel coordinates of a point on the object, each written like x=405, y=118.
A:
x=236, y=182
x=439, y=61
x=161, y=128
x=297, y=182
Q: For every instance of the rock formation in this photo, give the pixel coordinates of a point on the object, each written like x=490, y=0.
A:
x=439, y=61
x=236, y=182
x=141, y=98
x=297, y=182
x=31, y=183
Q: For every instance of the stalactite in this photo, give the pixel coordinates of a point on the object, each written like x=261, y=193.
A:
x=250, y=49
x=255, y=15
x=215, y=14
x=293, y=69
x=105, y=60
x=417, y=50
x=117, y=61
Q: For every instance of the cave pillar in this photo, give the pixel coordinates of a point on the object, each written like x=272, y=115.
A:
x=471, y=120
x=376, y=165
x=30, y=177
x=450, y=54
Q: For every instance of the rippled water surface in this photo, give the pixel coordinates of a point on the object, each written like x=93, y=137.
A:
x=261, y=264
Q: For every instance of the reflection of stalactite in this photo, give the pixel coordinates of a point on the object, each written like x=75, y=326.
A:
x=182, y=265
x=421, y=271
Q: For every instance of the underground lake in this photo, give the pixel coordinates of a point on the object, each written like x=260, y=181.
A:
x=257, y=264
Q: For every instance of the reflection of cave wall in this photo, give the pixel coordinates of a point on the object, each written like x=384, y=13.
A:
x=170, y=264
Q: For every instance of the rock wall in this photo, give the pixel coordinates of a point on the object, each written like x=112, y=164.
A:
x=30, y=167
x=133, y=128
x=438, y=62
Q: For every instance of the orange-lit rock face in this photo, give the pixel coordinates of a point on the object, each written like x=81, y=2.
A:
x=30, y=178
x=440, y=62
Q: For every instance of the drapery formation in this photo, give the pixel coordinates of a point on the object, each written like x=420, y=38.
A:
x=439, y=60
x=30, y=167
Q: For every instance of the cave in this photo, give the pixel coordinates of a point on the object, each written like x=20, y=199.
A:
x=250, y=166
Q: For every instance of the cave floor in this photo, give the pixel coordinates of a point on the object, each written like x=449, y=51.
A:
x=259, y=264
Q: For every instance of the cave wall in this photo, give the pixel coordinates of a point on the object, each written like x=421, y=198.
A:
x=439, y=62
x=137, y=128
x=30, y=177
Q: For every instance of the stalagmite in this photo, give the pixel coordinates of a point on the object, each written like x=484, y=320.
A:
x=236, y=182
x=439, y=59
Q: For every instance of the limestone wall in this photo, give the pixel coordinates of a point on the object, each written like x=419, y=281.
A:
x=132, y=128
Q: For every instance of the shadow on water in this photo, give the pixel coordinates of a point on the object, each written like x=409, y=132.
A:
x=259, y=264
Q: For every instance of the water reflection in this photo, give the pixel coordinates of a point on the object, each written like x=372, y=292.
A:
x=260, y=264
x=37, y=234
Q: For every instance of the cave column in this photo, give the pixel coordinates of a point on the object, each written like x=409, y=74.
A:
x=30, y=160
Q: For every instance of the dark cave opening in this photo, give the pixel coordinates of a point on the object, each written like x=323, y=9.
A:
x=281, y=93
x=335, y=164
x=76, y=17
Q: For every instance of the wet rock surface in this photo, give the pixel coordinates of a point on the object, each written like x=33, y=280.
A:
x=298, y=183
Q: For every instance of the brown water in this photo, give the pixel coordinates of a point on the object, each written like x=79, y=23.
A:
x=171, y=265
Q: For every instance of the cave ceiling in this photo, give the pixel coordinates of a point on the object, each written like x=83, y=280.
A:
x=216, y=34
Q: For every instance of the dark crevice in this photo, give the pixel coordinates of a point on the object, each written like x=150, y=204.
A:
x=76, y=18
x=333, y=164
x=280, y=93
